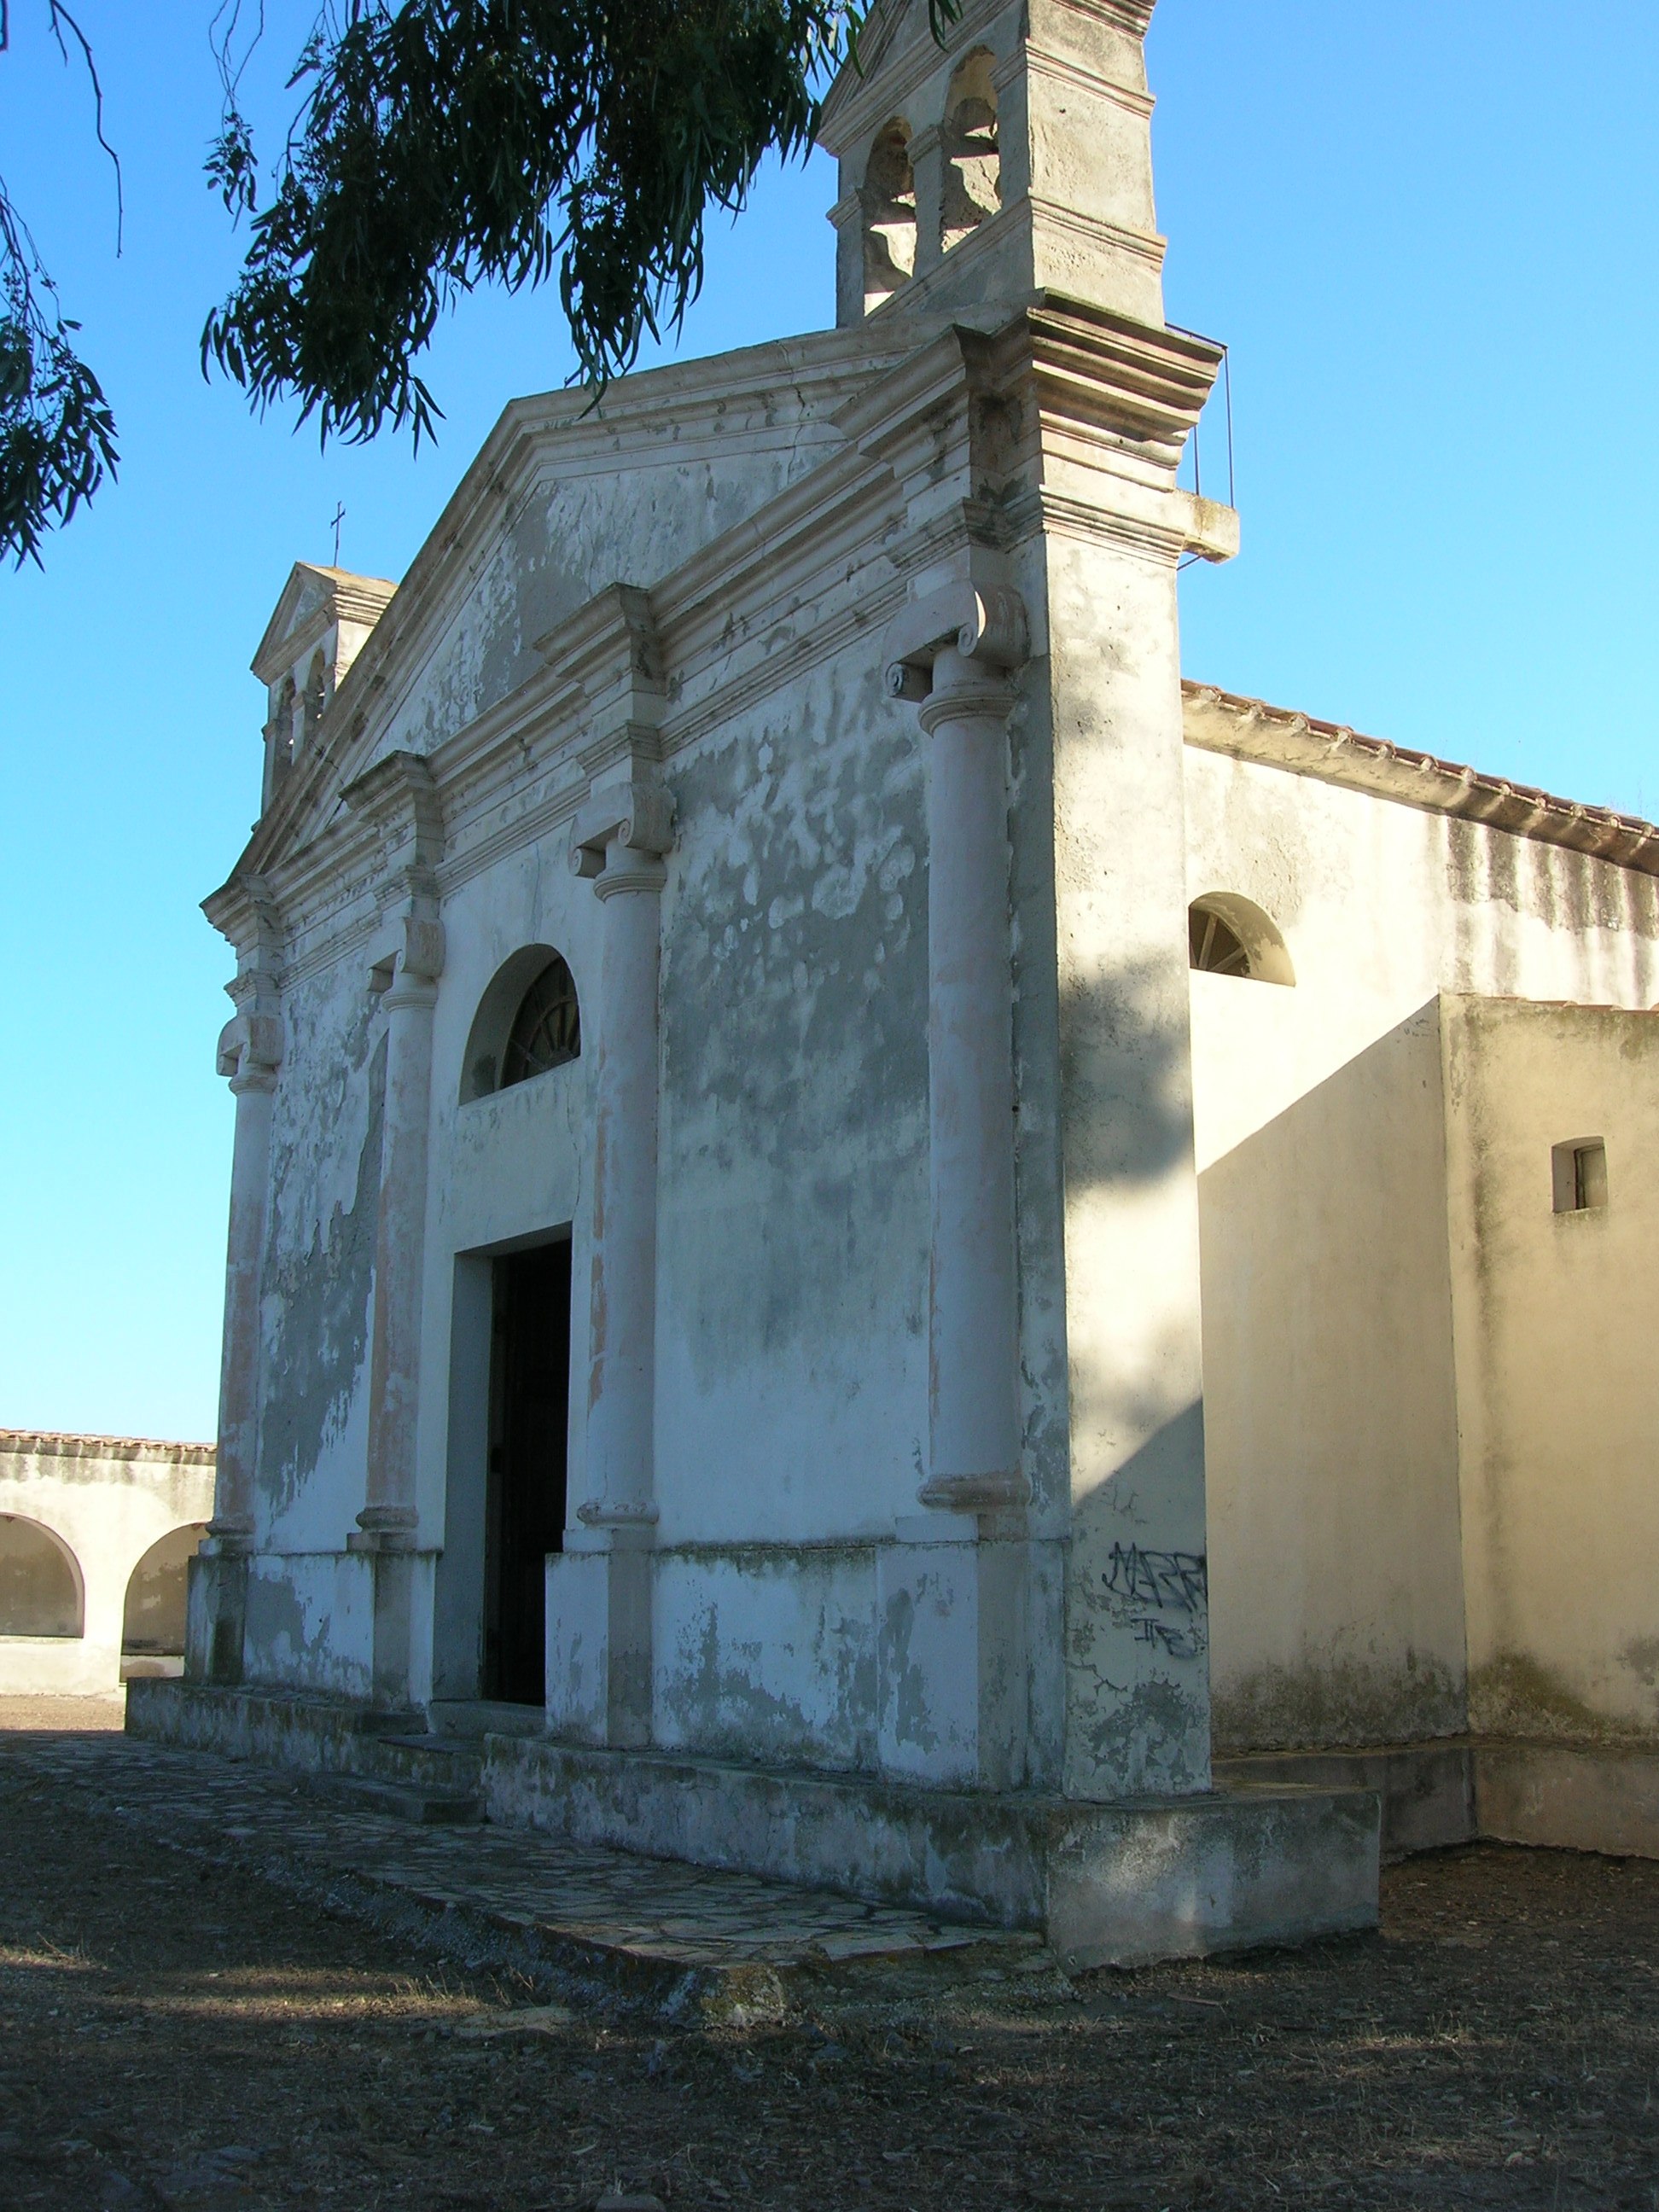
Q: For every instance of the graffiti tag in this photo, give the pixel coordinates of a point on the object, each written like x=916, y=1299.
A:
x=1174, y=1580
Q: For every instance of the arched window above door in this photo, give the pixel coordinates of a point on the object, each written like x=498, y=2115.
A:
x=546, y=1030
x=528, y=1023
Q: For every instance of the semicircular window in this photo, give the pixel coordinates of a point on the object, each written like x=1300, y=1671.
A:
x=546, y=1030
x=1214, y=945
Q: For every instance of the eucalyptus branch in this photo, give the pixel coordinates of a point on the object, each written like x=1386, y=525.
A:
x=440, y=144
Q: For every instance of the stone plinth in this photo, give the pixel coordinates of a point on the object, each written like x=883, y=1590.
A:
x=1106, y=1885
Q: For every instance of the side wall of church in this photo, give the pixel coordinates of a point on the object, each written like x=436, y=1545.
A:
x=1555, y=1327
x=1330, y=1417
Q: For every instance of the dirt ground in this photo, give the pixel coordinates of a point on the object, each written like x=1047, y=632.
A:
x=174, y=2034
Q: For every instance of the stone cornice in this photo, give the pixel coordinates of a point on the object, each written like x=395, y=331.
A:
x=1098, y=371
x=860, y=99
x=244, y=911
x=637, y=674
x=1273, y=737
x=1063, y=69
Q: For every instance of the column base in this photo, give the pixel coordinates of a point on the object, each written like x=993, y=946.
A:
x=953, y=1681
x=215, y=1613
x=385, y=1535
x=598, y=1642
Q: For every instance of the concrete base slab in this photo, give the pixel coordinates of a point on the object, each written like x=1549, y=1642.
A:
x=1463, y=1789
x=1106, y=1884
x=1600, y=1800
x=1427, y=1789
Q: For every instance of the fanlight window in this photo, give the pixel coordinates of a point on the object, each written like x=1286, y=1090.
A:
x=546, y=1030
x=1213, y=947
x=889, y=217
x=1227, y=935
x=973, y=160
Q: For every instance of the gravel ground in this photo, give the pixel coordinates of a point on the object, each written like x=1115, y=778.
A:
x=177, y=2034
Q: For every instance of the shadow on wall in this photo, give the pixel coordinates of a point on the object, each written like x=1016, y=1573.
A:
x=1124, y=1075
x=1331, y=1412
x=153, y=1622
x=41, y=1592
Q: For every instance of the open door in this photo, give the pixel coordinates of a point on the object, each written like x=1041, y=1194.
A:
x=528, y=1419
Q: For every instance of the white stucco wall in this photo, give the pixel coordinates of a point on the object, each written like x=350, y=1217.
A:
x=1380, y=905
x=1331, y=1417
x=1331, y=1412
x=107, y=1499
x=1556, y=1380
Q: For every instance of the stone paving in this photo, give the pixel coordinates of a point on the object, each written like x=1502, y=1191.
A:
x=656, y=1929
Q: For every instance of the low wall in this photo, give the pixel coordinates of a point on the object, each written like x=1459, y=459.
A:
x=104, y=1502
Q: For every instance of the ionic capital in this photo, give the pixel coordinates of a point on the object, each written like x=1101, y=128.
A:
x=620, y=835
x=250, y=1050
x=983, y=623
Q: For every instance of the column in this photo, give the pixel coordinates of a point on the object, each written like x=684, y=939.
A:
x=386, y=1526
x=972, y=1321
x=951, y=1588
x=250, y=1053
x=618, y=845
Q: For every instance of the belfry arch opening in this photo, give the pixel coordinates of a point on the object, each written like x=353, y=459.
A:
x=528, y=1023
x=1229, y=935
x=41, y=1591
x=972, y=155
x=890, y=215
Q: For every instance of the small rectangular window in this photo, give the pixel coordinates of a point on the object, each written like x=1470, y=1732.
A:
x=1579, y=1174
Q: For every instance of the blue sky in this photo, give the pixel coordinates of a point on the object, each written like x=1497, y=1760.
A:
x=1426, y=232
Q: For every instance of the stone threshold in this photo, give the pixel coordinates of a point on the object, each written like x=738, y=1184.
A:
x=1103, y=1884
x=599, y=1925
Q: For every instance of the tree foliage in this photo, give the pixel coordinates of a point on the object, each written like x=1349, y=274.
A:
x=56, y=433
x=441, y=143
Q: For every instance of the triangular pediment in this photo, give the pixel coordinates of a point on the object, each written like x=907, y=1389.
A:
x=565, y=501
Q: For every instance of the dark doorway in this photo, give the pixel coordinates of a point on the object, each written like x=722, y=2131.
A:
x=529, y=1413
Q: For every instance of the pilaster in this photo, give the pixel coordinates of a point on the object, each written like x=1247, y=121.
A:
x=250, y=1054
x=618, y=845
x=399, y=796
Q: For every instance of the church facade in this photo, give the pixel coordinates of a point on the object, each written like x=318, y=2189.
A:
x=792, y=1085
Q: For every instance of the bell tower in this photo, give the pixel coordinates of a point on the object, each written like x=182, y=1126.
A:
x=1013, y=159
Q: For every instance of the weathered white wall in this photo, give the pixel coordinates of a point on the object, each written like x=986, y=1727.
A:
x=1558, y=1386
x=108, y=1500
x=624, y=493
x=318, y=1287
x=793, y=1165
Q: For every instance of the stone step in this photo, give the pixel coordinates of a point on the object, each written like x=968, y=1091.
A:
x=397, y=1801
x=452, y=1769
x=683, y=1941
x=473, y=1718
